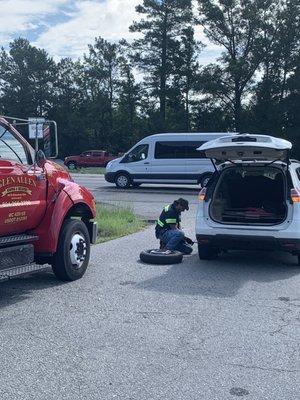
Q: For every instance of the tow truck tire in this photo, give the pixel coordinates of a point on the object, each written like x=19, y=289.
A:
x=161, y=257
x=207, y=252
x=73, y=252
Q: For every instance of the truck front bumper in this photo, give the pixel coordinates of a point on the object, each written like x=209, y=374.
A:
x=247, y=242
x=93, y=230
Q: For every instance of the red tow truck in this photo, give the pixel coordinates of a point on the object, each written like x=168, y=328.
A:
x=45, y=218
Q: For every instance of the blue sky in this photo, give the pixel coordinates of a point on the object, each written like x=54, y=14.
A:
x=65, y=27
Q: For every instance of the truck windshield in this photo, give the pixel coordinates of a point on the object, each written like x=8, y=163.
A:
x=11, y=148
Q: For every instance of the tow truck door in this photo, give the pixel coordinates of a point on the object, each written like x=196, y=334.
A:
x=23, y=187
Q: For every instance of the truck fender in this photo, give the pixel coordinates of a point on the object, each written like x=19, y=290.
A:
x=48, y=230
x=72, y=200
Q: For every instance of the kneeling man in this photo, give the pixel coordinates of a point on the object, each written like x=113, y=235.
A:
x=168, y=230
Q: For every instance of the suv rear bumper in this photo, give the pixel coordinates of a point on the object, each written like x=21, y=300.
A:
x=246, y=242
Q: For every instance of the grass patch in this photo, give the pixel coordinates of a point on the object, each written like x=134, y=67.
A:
x=93, y=170
x=115, y=222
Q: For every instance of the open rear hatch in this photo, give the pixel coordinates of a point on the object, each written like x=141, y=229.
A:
x=247, y=147
x=249, y=193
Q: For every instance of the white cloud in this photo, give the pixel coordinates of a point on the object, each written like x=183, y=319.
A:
x=19, y=16
x=109, y=19
x=86, y=20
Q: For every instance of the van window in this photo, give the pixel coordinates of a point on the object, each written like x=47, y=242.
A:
x=181, y=149
x=139, y=153
x=191, y=150
x=11, y=148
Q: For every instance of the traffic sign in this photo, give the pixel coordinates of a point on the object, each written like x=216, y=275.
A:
x=35, y=127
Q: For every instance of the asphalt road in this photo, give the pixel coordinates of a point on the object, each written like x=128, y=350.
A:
x=218, y=330
x=146, y=200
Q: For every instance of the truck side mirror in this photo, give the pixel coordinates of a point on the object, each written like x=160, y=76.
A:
x=40, y=159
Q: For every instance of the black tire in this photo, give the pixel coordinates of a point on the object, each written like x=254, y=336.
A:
x=298, y=256
x=204, y=179
x=62, y=265
x=160, y=257
x=72, y=165
x=123, y=180
x=207, y=252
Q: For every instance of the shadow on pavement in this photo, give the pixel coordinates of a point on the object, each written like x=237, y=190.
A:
x=222, y=277
x=19, y=289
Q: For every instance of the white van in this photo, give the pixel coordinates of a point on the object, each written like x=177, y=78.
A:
x=164, y=158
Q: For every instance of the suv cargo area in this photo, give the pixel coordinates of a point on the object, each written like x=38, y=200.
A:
x=250, y=195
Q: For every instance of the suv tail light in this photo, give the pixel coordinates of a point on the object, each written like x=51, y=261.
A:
x=295, y=195
x=202, y=194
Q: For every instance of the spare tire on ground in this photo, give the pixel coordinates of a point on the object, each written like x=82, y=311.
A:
x=161, y=257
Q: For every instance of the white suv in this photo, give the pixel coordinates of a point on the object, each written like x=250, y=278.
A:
x=253, y=199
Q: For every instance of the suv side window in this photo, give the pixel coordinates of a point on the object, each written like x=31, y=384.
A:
x=139, y=153
x=10, y=148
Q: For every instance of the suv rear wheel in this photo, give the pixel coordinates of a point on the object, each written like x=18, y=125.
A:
x=123, y=180
x=73, y=252
x=207, y=252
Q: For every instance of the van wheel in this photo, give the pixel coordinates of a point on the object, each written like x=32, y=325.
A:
x=72, y=165
x=207, y=252
x=204, y=180
x=73, y=252
x=122, y=181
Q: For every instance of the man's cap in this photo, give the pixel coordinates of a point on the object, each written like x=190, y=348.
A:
x=184, y=203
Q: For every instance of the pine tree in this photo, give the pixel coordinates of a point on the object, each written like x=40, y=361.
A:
x=235, y=26
x=161, y=29
x=27, y=79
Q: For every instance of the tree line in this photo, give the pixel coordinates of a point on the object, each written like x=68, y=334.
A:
x=120, y=92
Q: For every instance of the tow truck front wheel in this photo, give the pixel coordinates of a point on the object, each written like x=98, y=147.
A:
x=73, y=252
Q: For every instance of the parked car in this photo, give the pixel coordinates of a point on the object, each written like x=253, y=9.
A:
x=163, y=158
x=91, y=158
x=253, y=199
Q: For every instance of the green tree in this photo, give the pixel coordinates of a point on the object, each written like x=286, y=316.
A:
x=281, y=58
x=27, y=80
x=185, y=76
x=161, y=28
x=235, y=26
